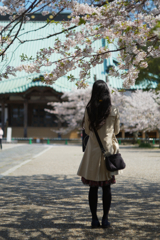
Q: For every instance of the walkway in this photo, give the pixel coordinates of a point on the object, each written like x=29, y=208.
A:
x=44, y=199
x=17, y=154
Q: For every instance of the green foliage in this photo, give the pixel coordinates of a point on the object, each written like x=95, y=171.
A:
x=151, y=73
x=108, y=40
x=38, y=79
x=121, y=90
x=71, y=78
x=52, y=21
x=24, y=58
x=145, y=145
x=81, y=21
x=55, y=22
x=158, y=87
x=139, y=141
x=157, y=26
x=48, y=21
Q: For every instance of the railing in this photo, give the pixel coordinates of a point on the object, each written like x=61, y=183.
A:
x=130, y=140
x=76, y=140
x=44, y=140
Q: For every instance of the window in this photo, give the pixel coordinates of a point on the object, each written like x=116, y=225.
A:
x=38, y=117
x=17, y=115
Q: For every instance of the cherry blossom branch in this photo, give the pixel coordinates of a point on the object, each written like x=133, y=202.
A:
x=2, y=54
x=20, y=16
x=49, y=36
x=42, y=26
x=127, y=24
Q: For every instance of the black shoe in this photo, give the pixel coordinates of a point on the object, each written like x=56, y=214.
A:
x=95, y=223
x=105, y=223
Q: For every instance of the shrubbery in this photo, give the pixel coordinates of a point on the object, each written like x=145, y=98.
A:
x=145, y=145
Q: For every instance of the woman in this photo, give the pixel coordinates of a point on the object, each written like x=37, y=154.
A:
x=105, y=117
x=1, y=136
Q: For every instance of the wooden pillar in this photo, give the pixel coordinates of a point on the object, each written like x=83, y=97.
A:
x=25, y=118
x=157, y=134
x=143, y=135
x=3, y=109
x=123, y=134
x=59, y=135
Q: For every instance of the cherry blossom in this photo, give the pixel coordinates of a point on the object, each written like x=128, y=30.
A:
x=71, y=111
x=139, y=110
x=131, y=26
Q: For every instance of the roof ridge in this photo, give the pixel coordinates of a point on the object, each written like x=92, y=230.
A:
x=23, y=86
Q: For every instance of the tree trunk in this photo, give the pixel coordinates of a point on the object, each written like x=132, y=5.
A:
x=146, y=138
x=25, y=118
x=159, y=137
x=135, y=137
x=3, y=109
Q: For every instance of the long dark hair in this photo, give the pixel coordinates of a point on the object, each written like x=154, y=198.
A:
x=99, y=106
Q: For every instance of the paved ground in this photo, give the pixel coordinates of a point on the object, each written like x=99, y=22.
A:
x=44, y=199
x=13, y=155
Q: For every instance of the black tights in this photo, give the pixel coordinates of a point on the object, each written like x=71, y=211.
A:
x=93, y=199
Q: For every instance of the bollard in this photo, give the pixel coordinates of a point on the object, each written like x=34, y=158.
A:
x=119, y=141
x=30, y=141
x=37, y=140
x=153, y=141
x=48, y=141
x=66, y=142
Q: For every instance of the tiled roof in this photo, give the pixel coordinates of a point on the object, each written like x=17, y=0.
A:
x=23, y=81
x=30, y=48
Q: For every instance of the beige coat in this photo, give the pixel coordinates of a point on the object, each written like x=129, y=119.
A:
x=92, y=166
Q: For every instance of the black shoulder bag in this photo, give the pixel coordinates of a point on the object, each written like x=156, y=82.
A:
x=113, y=162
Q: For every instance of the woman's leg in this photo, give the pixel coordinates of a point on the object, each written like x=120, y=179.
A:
x=106, y=197
x=93, y=199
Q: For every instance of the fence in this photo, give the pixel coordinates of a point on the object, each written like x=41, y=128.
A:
x=74, y=141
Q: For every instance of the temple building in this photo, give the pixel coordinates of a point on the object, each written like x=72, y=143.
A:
x=23, y=98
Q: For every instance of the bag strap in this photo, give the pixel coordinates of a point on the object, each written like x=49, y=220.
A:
x=99, y=140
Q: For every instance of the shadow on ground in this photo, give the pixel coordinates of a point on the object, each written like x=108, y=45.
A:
x=46, y=207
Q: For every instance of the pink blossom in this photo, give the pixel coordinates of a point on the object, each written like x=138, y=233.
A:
x=125, y=28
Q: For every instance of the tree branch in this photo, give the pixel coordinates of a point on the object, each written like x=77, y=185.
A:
x=49, y=36
x=42, y=26
x=19, y=16
x=2, y=54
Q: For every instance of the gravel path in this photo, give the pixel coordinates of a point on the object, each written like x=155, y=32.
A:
x=44, y=199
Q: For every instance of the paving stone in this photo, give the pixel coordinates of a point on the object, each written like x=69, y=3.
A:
x=45, y=199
